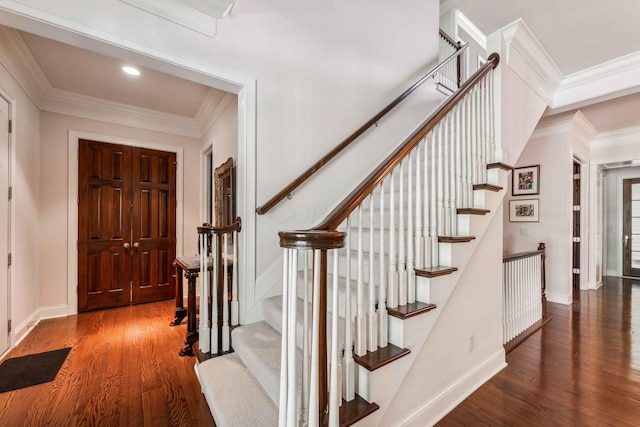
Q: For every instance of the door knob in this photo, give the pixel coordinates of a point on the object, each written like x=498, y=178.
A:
x=126, y=245
x=136, y=245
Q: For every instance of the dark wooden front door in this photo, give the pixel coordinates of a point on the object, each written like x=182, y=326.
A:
x=631, y=227
x=126, y=225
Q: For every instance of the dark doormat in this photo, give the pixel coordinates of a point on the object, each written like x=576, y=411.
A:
x=33, y=369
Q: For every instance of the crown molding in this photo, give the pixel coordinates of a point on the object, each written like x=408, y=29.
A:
x=17, y=58
x=618, y=75
x=212, y=107
x=470, y=28
x=88, y=107
x=196, y=15
x=526, y=56
x=570, y=124
x=616, y=139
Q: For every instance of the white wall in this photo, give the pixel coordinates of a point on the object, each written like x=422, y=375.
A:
x=54, y=183
x=614, y=216
x=25, y=285
x=553, y=146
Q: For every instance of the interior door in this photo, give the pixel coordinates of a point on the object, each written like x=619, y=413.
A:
x=154, y=225
x=631, y=227
x=104, y=227
x=126, y=225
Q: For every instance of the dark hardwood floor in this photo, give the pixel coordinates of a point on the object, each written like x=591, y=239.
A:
x=581, y=369
x=123, y=370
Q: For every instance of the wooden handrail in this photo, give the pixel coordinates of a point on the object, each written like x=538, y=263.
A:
x=286, y=191
x=234, y=226
x=521, y=255
x=353, y=200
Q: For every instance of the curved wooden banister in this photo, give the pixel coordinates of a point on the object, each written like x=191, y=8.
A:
x=353, y=200
x=286, y=191
x=234, y=226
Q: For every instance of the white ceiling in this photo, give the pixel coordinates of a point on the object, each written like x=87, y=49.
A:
x=578, y=35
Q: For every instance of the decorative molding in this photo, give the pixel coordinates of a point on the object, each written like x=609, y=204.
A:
x=526, y=56
x=216, y=8
x=570, y=124
x=17, y=58
x=88, y=107
x=582, y=129
x=180, y=13
x=616, y=139
x=23, y=329
x=52, y=312
x=20, y=62
x=469, y=27
x=440, y=405
x=212, y=107
x=618, y=75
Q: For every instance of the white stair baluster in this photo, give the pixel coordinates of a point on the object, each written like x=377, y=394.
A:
x=226, y=331
x=292, y=411
x=433, y=189
x=348, y=374
x=286, y=337
x=411, y=273
x=372, y=318
x=361, y=337
x=235, y=308
x=304, y=401
x=402, y=267
x=205, y=330
x=446, y=175
x=392, y=299
x=213, y=292
x=334, y=387
x=383, y=320
x=418, y=239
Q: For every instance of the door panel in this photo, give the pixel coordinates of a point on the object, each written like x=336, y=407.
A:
x=104, y=278
x=126, y=225
x=153, y=184
x=631, y=227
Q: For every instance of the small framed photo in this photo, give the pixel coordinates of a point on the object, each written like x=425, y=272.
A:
x=526, y=181
x=524, y=210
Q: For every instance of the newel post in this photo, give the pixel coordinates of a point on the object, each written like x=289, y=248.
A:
x=320, y=242
x=542, y=247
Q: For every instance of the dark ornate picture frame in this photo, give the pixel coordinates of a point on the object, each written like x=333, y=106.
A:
x=225, y=195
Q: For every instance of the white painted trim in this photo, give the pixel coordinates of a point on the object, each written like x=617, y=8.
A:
x=616, y=139
x=526, y=56
x=9, y=225
x=211, y=110
x=72, y=206
x=271, y=281
x=208, y=148
x=179, y=13
x=89, y=107
x=618, y=75
x=52, y=312
x=23, y=329
x=440, y=405
x=558, y=297
x=463, y=22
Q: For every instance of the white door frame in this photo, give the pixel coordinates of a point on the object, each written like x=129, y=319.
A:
x=7, y=225
x=47, y=24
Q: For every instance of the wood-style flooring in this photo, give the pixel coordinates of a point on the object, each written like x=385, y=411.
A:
x=581, y=369
x=123, y=370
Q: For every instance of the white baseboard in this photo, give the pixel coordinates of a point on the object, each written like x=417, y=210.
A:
x=432, y=411
x=559, y=298
x=50, y=312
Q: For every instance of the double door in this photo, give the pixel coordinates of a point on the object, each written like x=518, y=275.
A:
x=126, y=225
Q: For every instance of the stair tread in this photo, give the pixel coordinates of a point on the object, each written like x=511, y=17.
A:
x=381, y=357
x=489, y=187
x=500, y=165
x=234, y=396
x=473, y=211
x=455, y=239
x=439, y=270
x=259, y=347
x=410, y=310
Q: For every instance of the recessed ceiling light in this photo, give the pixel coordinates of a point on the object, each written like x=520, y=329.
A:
x=132, y=71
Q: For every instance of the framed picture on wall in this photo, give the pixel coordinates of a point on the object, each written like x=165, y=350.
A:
x=524, y=210
x=526, y=181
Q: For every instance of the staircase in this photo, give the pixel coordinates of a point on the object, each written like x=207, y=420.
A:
x=364, y=289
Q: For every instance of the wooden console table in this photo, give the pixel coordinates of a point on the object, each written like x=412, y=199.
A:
x=188, y=267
